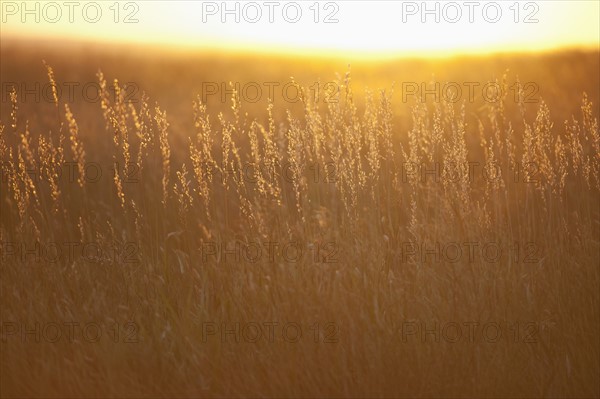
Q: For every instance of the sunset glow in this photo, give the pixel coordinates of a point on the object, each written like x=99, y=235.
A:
x=374, y=27
x=299, y=199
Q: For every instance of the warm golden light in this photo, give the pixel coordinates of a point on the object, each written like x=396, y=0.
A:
x=310, y=198
x=374, y=27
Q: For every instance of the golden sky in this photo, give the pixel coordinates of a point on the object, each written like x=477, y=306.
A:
x=370, y=27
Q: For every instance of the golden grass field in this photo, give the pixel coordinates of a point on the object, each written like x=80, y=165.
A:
x=373, y=245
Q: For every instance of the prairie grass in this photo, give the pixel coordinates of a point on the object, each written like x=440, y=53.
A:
x=350, y=189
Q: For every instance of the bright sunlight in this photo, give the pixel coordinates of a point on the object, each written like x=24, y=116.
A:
x=374, y=27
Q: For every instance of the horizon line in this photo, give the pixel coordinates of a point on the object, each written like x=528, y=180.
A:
x=300, y=51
